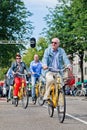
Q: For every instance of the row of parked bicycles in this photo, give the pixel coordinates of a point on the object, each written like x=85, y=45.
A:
x=77, y=90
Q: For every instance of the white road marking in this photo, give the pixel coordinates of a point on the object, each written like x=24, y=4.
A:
x=84, y=122
x=75, y=118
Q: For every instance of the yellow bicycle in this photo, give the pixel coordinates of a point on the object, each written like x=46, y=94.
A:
x=40, y=90
x=22, y=93
x=57, y=96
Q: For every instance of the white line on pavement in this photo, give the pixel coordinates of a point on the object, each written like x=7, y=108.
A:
x=76, y=118
x=84, y=122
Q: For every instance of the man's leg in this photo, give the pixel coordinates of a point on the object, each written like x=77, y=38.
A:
x=16, y=87
x=33, y=80
x=49, y=81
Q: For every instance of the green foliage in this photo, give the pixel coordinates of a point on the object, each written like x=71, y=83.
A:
x=15, y=28
x=68, y=22
x=2, y=73
x=14, y=23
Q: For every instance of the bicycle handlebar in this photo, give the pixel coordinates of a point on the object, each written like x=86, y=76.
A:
x=18, y=73
x=57, y=70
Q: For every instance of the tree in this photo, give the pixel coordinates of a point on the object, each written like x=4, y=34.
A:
x=15, y=28
x=14, y=20
x=68, y=21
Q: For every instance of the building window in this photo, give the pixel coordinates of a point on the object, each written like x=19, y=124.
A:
x=85, y=70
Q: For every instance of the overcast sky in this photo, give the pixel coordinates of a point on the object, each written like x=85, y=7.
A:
x=39, y=10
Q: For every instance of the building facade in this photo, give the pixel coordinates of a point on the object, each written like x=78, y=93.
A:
x=76, y=68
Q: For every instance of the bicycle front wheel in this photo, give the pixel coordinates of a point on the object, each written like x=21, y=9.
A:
x=15, y=102
x=50, y=108
x=61, y=108
x=41, y=95
x=25, y=99
x=80, y=93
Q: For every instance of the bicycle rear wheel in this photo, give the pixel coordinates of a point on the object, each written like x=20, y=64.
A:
x=15, y=102
x=61, y=108
x=35, y=100
x=25, y=98
x=50, y=108
x=41, y=95
x=80, y=93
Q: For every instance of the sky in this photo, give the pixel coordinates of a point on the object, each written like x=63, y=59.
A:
x=39, y=10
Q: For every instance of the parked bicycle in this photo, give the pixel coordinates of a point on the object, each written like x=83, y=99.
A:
x=22, y=93
x=57, y=96
x=81, y=91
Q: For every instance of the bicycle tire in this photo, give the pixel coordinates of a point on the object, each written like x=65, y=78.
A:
x=41, y=95
x=61, y=108
x=40, y=100
x=35, y=100
x=15, y=102
x=25, y=99
x=80, y=93
x=50, y=108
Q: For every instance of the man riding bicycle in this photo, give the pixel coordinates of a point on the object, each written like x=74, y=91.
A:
x=35, y=69
x=18, y=67
x=55, y=57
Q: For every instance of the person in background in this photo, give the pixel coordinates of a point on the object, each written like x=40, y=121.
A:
x=18, y=67
x=35, y=69
x=10, y=78
x=55, y=57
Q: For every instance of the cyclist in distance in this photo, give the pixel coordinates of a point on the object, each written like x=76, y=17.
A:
x=35, y=69
x=10, y=78
x=55, y=57
x=18, y=67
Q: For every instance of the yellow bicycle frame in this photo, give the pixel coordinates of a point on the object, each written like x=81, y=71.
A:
x=20, y=92
x=54, y=91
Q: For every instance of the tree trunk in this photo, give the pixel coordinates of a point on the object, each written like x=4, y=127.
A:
x=81, y=66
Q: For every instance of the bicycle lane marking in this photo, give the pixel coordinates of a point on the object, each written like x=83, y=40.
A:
x=78, y=119
x=75, y=118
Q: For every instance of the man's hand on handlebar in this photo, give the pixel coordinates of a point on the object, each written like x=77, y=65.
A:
x=45, y=67
x=70, y=68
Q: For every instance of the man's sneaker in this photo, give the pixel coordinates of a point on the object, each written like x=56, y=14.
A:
x=8, y=100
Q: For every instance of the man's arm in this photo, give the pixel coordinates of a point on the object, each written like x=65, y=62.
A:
x=44, y=59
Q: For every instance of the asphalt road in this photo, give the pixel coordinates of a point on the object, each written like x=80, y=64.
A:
x=36, y=117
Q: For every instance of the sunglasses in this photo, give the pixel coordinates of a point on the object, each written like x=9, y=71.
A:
x=18, y=58
x=54, y=42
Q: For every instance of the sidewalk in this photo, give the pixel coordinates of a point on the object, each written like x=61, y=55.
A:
x=76, y=97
